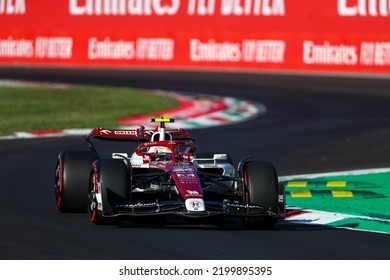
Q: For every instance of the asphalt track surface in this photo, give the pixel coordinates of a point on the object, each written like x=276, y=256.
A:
x=313, y=124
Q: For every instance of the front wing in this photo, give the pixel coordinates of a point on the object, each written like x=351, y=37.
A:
x=212, y=208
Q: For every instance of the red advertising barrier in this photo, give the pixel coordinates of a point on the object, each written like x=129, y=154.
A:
x=288, y=35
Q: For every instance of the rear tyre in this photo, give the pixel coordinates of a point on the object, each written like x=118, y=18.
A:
x=109, y=186
x=261, y=188
x=71, y=180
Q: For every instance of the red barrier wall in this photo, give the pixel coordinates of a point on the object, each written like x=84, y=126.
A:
x=305, y=35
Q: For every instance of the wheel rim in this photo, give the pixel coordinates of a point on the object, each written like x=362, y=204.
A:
x=245, y=188
x=58, y=187
x=92, y=200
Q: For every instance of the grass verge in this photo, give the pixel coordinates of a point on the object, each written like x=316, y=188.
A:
x=35, y=108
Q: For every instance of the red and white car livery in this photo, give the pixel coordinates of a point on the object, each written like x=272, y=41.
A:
x=148, y=172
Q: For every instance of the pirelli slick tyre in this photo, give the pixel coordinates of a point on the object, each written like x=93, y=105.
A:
x=109, y=186
x=72, y=180
x=261, y=187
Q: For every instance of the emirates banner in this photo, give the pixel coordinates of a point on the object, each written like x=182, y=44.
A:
x=286, y=35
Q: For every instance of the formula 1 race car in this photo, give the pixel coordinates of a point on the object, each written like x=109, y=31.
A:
x=163, y=175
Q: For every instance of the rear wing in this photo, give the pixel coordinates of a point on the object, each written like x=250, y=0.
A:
x=141, y=134
x=135, y=135
x=138, y=134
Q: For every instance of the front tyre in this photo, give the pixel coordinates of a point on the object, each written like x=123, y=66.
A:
x=109, y=187
x=261, y=187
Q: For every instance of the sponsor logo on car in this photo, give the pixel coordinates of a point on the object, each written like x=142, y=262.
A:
x=141, y=205
x=105, y=131
x=185, y=175
x=245, y=206
x=125, y=132
x=195, y=204
x=182, y=169
x=193, y=193
x=208, y=165
x=220, y=156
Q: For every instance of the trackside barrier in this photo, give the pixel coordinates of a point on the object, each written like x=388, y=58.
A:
x=293, y=35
